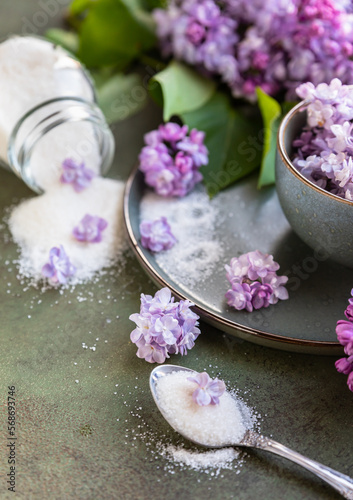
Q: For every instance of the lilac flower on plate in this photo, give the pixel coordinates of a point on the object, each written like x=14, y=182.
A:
x=90, y=229
x=209, y=390
x=76, y=174
x=59, y=268
x=254, y=281
x=163, y=327
x=157, y=235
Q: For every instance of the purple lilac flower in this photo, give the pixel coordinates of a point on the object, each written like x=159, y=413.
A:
x=209, y=390
x=254, y=282
x=349, y=311
x=279, y=291
x=76, y=174
x=324, y=150
x=90, y=229
x=164, y=327
x=239, y=297
x=273, y=45
x=260, y=294
x=152, y=352
x=59, y=268
x=253, y=265
x=157, y=235
x=171, y=159
x=344, y=331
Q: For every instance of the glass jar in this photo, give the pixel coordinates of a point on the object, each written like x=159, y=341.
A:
x=48, y=113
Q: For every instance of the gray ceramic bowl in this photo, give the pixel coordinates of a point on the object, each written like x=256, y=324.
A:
x=321, y=219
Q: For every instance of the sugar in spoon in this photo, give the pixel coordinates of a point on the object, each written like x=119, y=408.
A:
x=342, y=483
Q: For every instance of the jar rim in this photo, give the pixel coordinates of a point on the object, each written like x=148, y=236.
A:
x=90, y=112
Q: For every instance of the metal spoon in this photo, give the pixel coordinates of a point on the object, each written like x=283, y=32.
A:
x=342, y=483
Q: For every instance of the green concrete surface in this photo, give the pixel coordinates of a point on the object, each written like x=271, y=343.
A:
x=99, y=438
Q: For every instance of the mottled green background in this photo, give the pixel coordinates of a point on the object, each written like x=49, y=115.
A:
x=97, y=439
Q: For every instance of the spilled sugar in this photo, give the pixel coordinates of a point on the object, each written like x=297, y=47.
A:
x=216, y=460
x=45, y=221
x=193, y=220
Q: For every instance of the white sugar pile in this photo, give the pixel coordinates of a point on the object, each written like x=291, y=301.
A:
x=33, y=71
x=212, y=425
x=46, y=221
x=193, y=220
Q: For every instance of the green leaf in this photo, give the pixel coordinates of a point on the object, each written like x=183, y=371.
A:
x=113, y=32
x=79, y=6
x=120, y=96
x=180, y=89
x=66, y=39
x=233, y=138
x=156, y=4
x=271, y=115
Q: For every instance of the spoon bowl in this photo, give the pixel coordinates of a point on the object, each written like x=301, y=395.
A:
x=342, y=483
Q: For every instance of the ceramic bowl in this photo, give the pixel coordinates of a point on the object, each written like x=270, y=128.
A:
x=321, y=219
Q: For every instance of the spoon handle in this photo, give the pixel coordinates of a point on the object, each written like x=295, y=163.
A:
x=342, y=483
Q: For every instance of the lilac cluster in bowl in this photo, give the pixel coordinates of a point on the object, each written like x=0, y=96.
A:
x=314, y=170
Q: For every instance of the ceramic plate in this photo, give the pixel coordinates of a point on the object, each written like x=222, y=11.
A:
x=243, y=219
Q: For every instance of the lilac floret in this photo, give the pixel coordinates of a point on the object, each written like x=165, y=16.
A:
x=260, y=294
x=172, y=158
x=260, y=265
x=59, y=268
x=239, y=297
x=157, y=235
x=152, y=352
x=90, y=229
x=279, y=291
x=76, y=174
x=344, y=365
x=344, y=331
x=209, y=390
x=164, y=326
x=166, y=330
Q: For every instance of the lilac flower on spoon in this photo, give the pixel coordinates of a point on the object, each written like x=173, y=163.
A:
x=90, y=229
x=209, y=390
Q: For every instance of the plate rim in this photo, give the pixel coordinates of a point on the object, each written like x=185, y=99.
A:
x=253, y=335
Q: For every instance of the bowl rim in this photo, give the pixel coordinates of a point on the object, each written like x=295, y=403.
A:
x=299, y=108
